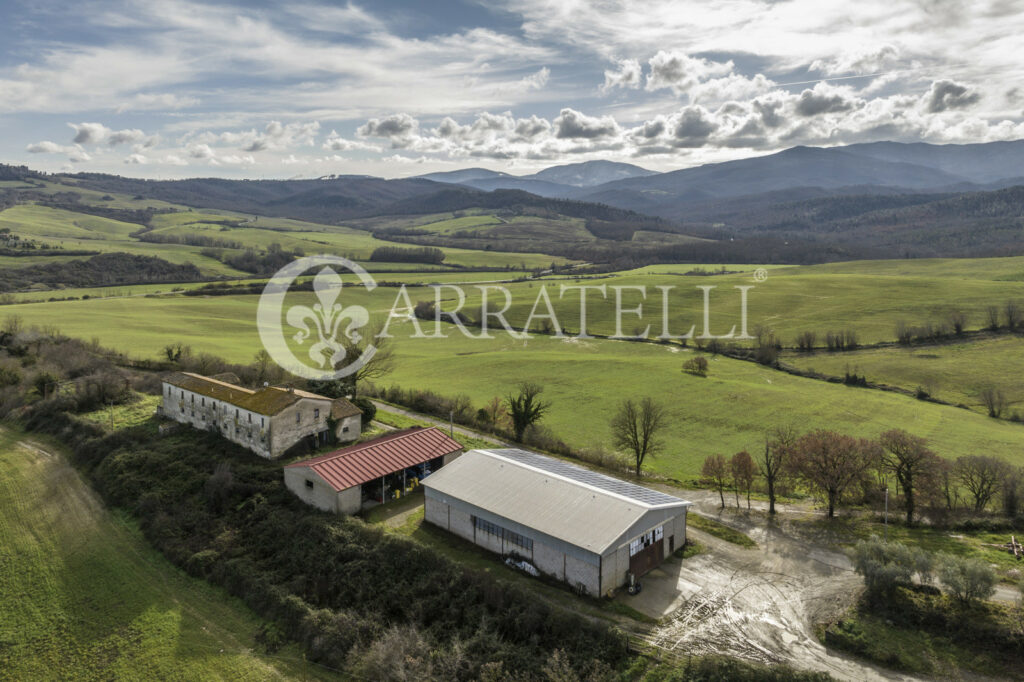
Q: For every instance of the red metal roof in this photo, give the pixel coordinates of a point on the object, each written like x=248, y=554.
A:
x=358, y=464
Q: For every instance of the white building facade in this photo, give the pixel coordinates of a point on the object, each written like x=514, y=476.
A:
x=573, y=524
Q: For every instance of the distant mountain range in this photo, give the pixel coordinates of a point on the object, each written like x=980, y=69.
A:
x=862, y=200
x=877, y=167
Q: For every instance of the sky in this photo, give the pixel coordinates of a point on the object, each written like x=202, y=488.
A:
x=172, y=88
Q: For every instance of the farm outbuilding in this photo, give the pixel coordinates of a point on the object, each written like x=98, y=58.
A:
x=346, y=480
x=574, y=524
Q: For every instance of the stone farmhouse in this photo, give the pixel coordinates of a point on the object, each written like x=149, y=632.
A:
x=269, y=421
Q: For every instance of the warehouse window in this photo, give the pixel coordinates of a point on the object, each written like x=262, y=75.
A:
x=646, y=540
x=485, y=526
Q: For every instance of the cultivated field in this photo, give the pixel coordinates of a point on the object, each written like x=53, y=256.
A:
x=84, y=596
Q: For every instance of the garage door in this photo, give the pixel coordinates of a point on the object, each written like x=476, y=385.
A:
x=646, y=559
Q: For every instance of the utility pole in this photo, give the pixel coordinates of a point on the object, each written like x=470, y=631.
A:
x=887, y=513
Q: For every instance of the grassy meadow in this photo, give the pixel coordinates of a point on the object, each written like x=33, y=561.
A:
x=584, y=379
x=80, y=231
x=956, y=372
x=83, y=595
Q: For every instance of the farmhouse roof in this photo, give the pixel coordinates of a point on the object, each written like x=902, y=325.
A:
x=562, y=500
x=269, y=400
x=358, y=464
x=342, y=408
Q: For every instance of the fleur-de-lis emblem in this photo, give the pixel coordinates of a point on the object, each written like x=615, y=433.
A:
x=326, y=317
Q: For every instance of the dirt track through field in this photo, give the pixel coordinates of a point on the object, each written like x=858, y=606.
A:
x=756, y=604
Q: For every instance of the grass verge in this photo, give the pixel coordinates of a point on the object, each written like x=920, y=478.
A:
x=720, y=530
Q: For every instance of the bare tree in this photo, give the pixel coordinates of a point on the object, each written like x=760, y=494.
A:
x=1011, y=311
x=994, y=401
x=982, y=476
x=992, y=317
x=743, y=472
x=778, y=446
x=908, y=458
x=635, y=428
x=830, y=462
x=380, y=363
x=715, y=469
x=958, y=321
x=494, y=412
x=525, y=408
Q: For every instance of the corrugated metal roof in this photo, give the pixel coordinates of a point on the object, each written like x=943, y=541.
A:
x=358, y=464
x=575, y=505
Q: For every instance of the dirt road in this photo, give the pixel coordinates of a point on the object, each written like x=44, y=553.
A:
x=756, y=604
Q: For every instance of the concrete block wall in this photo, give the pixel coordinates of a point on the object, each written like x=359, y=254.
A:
x=321, y=495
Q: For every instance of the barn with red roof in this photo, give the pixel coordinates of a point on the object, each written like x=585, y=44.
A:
x=382, y=469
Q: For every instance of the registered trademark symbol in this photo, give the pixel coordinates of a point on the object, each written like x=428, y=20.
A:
x=760, y=275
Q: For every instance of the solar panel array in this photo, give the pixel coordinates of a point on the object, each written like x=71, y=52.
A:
x=587, y=477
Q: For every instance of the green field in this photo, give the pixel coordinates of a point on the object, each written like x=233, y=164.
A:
x=83, y=596
x=954, y=372
x=723, y=413
x=79, y=231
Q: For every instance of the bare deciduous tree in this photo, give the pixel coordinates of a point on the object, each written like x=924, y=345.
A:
x=525, y=408
x=830, y=462
x=982, y=476
x=743, y=472
x=994, y=401
x=992, y=317
x=778, y=447
x=715, y=469
x=635, y=428
x=958, y=321
x=908, y=458
x=1011, y=312
x=380, y=363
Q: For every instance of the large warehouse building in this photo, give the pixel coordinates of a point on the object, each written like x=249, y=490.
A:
x=577, y=525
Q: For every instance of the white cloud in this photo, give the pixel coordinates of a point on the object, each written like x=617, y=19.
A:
x=680, y=72
x=574, y=124
x=48, y=147
x=136, y=159
x=627, y=74
x=157, y=102
x=945, y=94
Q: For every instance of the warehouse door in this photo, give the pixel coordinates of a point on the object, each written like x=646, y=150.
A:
x=646, y=551
x=646, y=559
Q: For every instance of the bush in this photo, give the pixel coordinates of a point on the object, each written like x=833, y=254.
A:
x=368, y=408
x=888, y=565
x=697, y=366
x=967, y=579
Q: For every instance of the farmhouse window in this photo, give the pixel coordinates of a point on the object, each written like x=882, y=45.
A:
x=193, y=399
x=298, y=417
x=344, y=429
x=250, y=418
x=261, y=422
x=236, y=413
x=316, y=413
x=309, y=484
x=202, y=401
